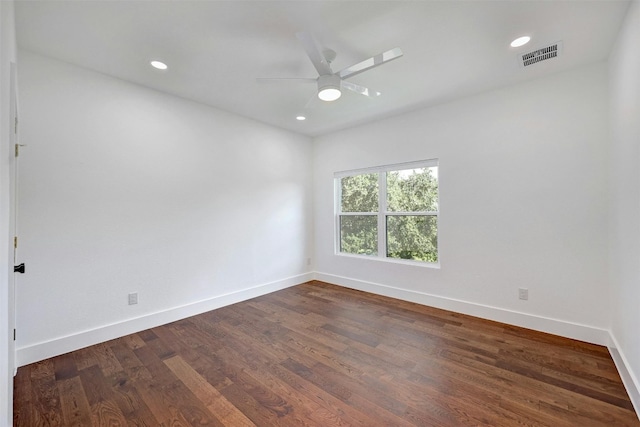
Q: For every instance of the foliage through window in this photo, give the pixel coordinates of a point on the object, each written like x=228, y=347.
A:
x=389, y=211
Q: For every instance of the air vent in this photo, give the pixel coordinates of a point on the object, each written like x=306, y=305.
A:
x=542, y=54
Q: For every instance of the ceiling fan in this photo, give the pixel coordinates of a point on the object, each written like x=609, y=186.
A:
x=330, y=84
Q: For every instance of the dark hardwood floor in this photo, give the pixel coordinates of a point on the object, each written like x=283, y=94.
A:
x=322, y=355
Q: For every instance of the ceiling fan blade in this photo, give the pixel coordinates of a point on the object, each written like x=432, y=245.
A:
x=285, y=79
x=367, y=64
x=315, y=54
x=360, y=89
x=312, y=102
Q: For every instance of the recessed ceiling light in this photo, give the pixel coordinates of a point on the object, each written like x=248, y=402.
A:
x=520, y=41
x=159, y=65
x=301, y=118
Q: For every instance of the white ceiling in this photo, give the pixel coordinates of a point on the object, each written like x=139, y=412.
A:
x=216, y=49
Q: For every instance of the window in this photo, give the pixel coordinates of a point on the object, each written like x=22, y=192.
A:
x=389, y=212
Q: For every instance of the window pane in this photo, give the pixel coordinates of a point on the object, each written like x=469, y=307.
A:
x=360, y=193
x=413, y=237
x=413, y=190
x=359, y=234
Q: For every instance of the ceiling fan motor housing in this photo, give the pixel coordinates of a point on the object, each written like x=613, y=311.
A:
x=329, y=87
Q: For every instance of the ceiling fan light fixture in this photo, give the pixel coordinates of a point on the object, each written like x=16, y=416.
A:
x=329, y=94
x=329, y=87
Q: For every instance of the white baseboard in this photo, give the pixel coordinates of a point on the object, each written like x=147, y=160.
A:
x=61, y=345
x=562, y=328
x=629, y=380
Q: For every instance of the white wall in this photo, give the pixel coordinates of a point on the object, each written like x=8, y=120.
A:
x=7, y=56
x=125, y=189
x=523, y=180
x=625, y=200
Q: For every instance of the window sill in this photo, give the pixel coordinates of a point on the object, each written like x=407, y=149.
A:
x=423, y=264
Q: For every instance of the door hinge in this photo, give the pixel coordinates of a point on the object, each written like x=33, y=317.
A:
x=17, y=150
x=15, y=125
x=14, y=334
x=15, y=242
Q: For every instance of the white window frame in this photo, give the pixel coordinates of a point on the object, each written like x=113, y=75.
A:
x=382, y=212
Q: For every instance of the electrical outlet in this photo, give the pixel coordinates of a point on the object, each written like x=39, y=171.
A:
x=133, y=298
x=523, y=293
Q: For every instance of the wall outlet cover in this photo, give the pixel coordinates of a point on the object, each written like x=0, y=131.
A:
x=523, y=293
x=133, y=298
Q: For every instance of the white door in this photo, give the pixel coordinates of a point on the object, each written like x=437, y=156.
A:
x=13, y=185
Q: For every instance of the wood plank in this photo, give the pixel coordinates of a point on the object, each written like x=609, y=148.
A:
x=107, y=413
x=127, y=398
x=46, y=401
x=217, y=404
x=106, y=359
x=75, y=406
